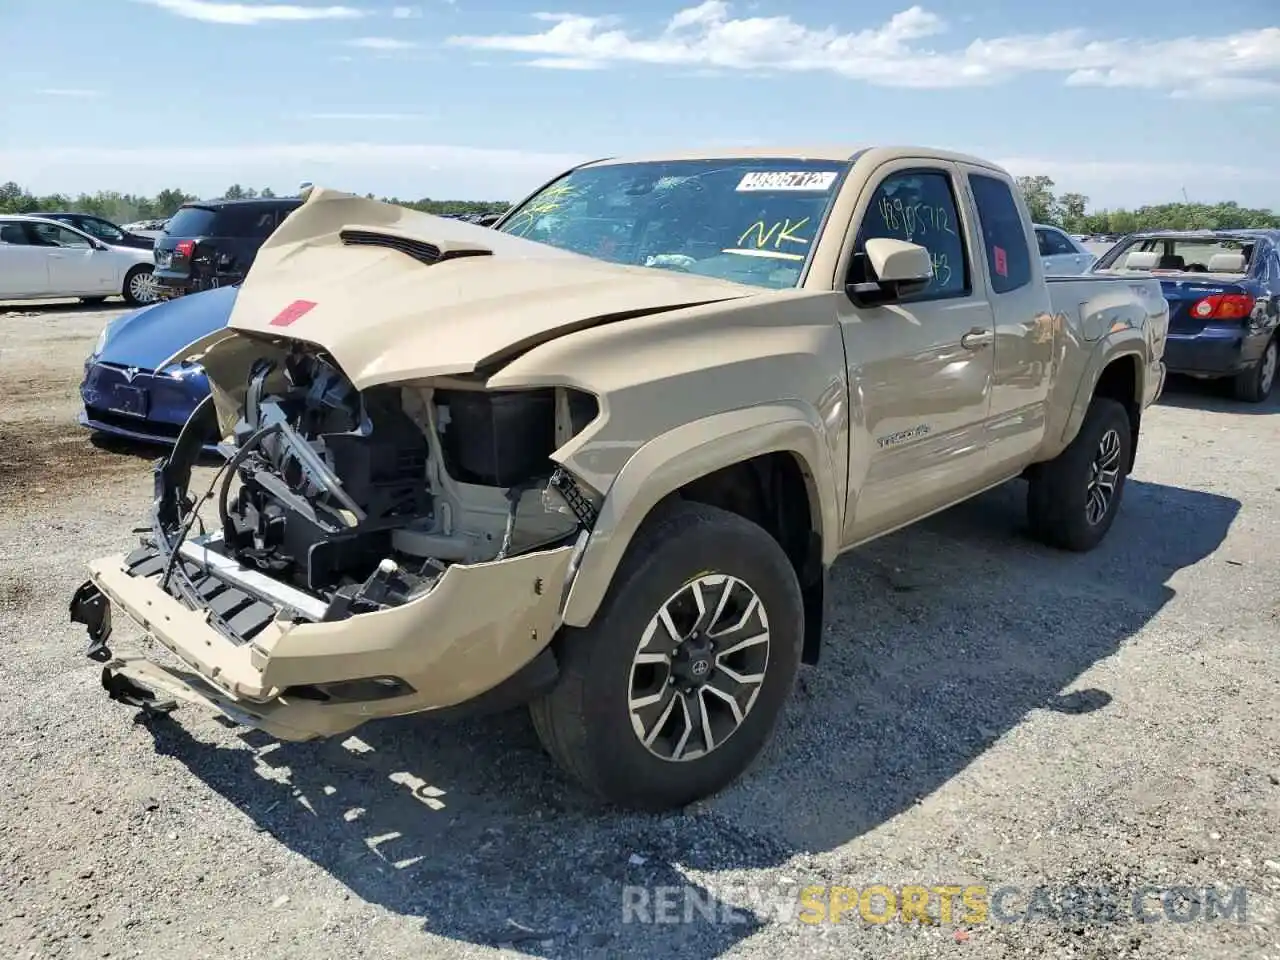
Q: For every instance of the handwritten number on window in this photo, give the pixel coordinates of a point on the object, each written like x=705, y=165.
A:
x=941, y=272
x=914, y=220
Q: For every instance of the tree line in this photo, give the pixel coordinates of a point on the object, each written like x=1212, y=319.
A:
x=1068, y=210
x=128, y=207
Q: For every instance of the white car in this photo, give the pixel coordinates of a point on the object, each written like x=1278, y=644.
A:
x=44, y=259
x=1061, y=253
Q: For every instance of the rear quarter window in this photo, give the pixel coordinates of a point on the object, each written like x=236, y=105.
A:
x=249, y=222
x=190, y=222
x=1004, y=235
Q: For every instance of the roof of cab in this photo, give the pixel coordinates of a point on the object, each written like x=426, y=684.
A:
x=830, y=152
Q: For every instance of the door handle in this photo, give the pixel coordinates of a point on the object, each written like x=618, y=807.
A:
x=55, y=256
x=976, y=339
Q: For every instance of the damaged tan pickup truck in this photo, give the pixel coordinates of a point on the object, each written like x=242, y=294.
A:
x=599, y=458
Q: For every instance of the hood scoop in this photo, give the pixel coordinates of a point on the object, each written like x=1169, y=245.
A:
x=421, y=250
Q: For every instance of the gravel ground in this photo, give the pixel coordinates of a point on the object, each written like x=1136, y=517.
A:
x=987, y=712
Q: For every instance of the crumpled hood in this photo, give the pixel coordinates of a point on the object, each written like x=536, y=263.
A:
x=146, y=337
x=385, y=316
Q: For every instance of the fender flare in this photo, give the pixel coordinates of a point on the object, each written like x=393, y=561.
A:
x=1128, y=342
x=669, y=461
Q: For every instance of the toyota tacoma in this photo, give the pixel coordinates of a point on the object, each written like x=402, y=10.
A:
x=599, y=458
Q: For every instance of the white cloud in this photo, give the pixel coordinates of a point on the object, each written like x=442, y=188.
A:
x=894, y=54
x=79, y=92
x=381, y=43
x=406, y=13
x=564, y=63
x=251, y=14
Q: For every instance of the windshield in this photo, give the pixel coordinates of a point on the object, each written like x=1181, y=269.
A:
x=190, y=222
x=747, y=220
x=1182, y=255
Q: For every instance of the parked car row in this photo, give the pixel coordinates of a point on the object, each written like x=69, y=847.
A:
x=206, y=244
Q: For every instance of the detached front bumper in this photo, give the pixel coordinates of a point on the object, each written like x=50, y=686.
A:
x=480, y=635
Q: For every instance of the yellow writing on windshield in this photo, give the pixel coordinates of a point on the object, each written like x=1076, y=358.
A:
x=779, y=232
x=547, y=202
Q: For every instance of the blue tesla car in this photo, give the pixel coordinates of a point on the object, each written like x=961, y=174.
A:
x=124, y=395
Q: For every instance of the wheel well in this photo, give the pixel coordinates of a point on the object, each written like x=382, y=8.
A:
x=1119, y=382
x=772, y=492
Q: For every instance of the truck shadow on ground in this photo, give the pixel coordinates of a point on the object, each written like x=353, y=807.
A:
x=1190, y=393
x=942, y=638
x=142, y=450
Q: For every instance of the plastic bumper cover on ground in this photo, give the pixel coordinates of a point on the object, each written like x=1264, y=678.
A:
x=478, y=628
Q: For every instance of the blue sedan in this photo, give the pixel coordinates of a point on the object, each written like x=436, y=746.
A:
x=124, y=395
x=1223, y=288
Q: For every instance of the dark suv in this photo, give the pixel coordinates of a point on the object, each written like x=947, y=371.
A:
x=212, y=243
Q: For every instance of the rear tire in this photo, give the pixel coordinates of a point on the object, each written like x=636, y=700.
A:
x=139, y=286
x=1073, y=499
x=1255, y=384
x=633, y=711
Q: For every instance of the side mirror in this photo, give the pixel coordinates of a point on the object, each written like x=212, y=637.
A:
x=899, y=268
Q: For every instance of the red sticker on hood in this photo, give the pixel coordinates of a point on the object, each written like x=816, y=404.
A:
x=292, y=312
x=1002, y=262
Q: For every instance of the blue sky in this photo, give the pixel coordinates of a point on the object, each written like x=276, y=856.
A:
x=1127, y=102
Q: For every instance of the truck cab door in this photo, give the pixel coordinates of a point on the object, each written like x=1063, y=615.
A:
x=1027, y=329
x=920, y=367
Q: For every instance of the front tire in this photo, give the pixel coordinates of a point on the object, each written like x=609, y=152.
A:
x=1254, y=385
x=1073, y=499
x=678, y=683
x=139, y=286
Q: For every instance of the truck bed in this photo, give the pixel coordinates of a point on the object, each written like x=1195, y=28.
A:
x=1087, y=301
x=1089, y=305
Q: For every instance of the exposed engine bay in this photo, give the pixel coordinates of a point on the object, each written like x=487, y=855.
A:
x=360, y=500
